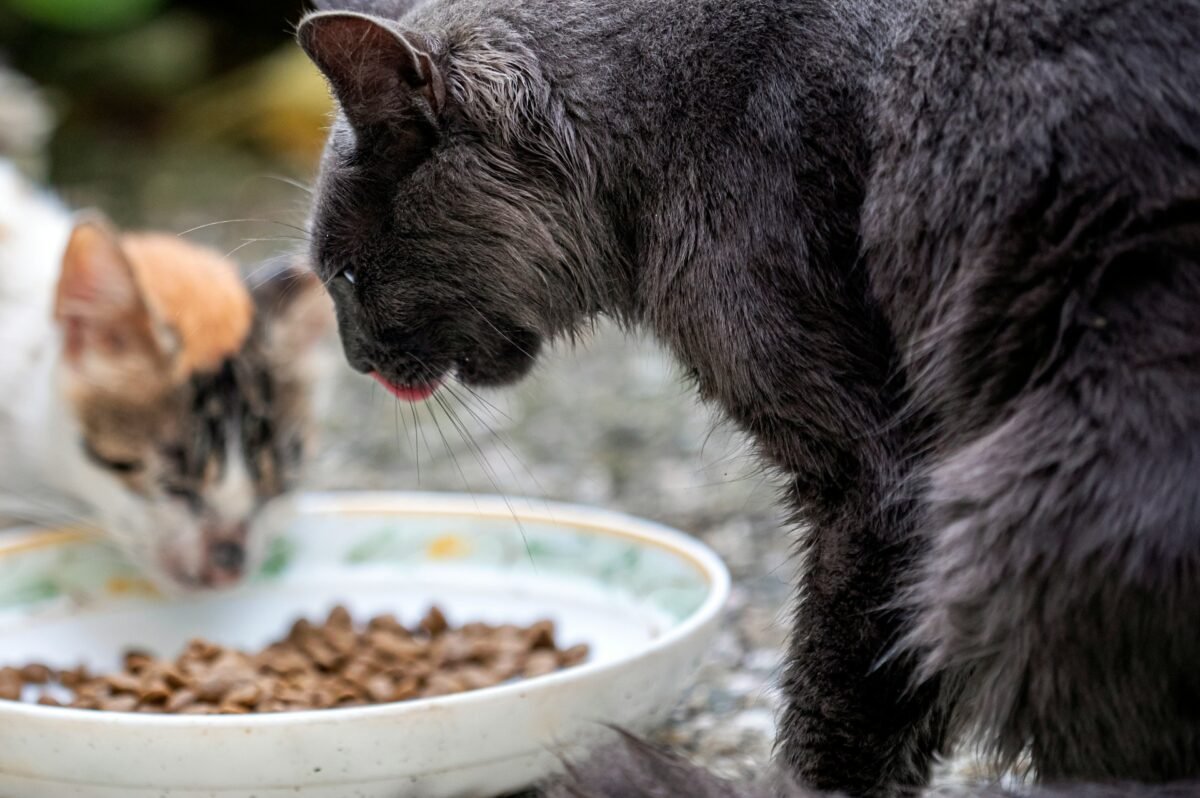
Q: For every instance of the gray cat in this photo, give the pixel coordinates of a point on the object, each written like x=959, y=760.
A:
x=939, y=258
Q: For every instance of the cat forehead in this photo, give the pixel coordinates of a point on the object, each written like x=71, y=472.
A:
x=196, y=292
x=240, y=412
x=200, y=406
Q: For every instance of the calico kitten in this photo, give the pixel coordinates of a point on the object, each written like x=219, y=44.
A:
x=939, y=258
x=147, y=390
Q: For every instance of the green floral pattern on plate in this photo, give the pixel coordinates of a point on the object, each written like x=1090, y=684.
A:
x=76, y=570
x=84, y=571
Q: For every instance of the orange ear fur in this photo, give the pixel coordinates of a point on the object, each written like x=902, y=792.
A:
x=197, y=293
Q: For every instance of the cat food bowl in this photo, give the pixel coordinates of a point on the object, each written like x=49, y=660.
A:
x=644, y=598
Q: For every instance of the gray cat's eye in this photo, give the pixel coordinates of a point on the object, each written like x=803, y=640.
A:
x=348, y=275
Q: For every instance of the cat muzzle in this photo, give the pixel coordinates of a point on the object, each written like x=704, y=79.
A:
x=225, y=557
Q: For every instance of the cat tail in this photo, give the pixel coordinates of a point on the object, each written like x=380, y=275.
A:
x=633, y=768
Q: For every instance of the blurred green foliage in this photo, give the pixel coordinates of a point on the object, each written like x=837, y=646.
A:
x=85, y=15
x=172, y=112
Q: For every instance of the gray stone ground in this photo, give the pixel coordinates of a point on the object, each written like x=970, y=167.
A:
x=608, y=423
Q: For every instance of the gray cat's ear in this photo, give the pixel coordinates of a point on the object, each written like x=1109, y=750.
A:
x=388, y=9
x=379, y=73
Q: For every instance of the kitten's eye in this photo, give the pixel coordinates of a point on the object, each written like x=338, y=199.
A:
x=348, y=275
x=184, y=494
x=114, y=465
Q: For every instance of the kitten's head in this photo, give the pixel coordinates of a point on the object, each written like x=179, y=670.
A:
x=447, y=215
x=191, y=396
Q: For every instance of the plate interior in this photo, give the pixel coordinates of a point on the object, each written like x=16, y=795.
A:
x=70, y=601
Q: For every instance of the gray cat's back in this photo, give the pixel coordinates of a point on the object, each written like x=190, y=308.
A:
x=1004, y=129
x=1032, y=224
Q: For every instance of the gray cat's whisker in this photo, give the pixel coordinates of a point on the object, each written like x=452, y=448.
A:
x=287, y=181
x=445, y=442
x=482, y=458
x=248, y=241
x=453, y=458
x=497, y=330
x=482, y=399
x=501, y=439
x=472, y=446
x=396, y=416
x=207, y=225
x=416, y=442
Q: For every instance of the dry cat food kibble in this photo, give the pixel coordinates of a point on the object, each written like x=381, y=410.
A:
x=335, y=664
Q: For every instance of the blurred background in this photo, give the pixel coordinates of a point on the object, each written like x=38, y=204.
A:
x=200, y=117
x=164, y=110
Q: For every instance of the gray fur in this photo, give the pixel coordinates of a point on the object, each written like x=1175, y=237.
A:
x=937, y=257
x=634, y=769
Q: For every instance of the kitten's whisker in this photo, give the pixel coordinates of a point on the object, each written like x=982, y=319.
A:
x=54, y=513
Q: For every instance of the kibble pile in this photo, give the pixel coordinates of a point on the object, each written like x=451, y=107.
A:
x=317, y=666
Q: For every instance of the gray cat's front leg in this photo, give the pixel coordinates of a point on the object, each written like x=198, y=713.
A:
x=852, y=723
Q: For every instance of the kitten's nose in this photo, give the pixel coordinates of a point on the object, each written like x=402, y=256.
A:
x=225, y=561
x=227, y=555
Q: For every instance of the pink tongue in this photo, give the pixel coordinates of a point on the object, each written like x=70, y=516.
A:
x=415, y=394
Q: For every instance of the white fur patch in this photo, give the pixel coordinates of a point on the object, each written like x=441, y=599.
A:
x=233, y=497
x=32, y=427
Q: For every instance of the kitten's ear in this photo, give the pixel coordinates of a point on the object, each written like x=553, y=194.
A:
x=379, y=73
x=296, y=311
x=100, y=306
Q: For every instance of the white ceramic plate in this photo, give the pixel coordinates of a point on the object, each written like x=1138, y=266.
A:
x=644, y=597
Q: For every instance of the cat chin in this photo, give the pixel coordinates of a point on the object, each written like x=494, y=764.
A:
x=178, y=565
x=172, y=577
x=510, y=366
x=489, y=377
x=174, y=567
x=512, y=361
